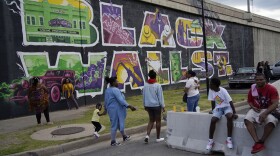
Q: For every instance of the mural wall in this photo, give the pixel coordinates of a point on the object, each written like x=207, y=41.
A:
x=86, y=40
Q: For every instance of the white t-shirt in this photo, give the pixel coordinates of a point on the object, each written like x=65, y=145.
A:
x=221, y=98
x=192, y=85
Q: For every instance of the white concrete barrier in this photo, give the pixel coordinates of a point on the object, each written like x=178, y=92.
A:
x=189, y=131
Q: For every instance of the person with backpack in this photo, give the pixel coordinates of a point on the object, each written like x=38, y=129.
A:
x=38, y=98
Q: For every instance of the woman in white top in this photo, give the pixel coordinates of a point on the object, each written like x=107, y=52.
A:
x=192, y=89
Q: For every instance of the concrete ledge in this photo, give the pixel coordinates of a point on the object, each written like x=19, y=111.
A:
x=189, y=131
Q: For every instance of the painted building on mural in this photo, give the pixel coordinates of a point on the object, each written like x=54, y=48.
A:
x=88, y=40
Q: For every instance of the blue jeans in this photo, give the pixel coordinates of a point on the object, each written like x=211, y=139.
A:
x=192, y=102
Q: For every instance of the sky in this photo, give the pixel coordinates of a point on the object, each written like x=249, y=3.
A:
x=268, y=8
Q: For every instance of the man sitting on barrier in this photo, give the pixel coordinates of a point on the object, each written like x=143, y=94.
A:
x=221, y=105
x=263, y=99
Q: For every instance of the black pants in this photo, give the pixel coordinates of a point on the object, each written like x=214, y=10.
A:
x=97, y=126
x=46, y=113
x=70, y=100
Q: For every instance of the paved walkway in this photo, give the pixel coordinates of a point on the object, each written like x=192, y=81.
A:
x=15, y=124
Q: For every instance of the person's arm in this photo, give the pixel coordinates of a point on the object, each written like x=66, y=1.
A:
x=118, y=95
x=161, y=98
x=274, y=96
x=213, y=105
x=271, y=108
x=187, y=86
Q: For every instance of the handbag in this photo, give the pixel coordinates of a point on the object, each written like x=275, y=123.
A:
x=185, y=97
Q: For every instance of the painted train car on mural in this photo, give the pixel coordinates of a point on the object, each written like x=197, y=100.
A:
x=86, y=40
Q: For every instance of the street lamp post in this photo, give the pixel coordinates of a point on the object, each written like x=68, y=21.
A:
x=205, y=47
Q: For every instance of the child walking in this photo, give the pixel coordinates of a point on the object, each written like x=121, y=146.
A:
x=95, y=119
x=221, y=105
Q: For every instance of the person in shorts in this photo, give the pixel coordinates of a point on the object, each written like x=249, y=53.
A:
x=263, y=99
x=221, y=105
x=153, y=102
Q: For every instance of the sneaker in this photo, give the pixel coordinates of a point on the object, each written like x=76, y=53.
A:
x=257, y=148
x=160, y=139
x=146, y=140
x=50, y=123
x=229, y=143
x=126, y=138
x=114, y=143
x=210, y=145
x=96, y=134
x=39, y=124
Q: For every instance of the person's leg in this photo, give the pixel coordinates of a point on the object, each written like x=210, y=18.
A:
x=196, y=102
x=114, y=123
x=38, y=117
x=75, y=102
x=46, y=113
x=158, y=121
x=97, y=126
x=229, y=115
x=151, y=120
x=251, y=129
x=268, y=128
x=68, y=101
x=212, y=127
x=190, y=103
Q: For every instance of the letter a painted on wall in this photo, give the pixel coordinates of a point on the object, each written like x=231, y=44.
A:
x=58, y=22
x=126, y=66
x=113, y=31
x=156, y=27
x=154, y=62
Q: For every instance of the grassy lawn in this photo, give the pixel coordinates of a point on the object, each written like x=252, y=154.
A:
x=20, y=141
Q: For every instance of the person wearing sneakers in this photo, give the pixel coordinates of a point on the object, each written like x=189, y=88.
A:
x=153, y=102
x=95, y=119
x=263, y=99
x=115, y=106
x=221, y=105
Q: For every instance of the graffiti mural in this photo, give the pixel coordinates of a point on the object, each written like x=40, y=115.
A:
x=214, y=35
x=221, y=60
x=176, y=69
x=154, y=62
x=156, y=27
x=127, y=68
x=187, y=31
x=198, y=59
x=87, y=78
x=58, y=22
x=113, y=31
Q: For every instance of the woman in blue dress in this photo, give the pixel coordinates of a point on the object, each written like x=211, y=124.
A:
x=115, y=106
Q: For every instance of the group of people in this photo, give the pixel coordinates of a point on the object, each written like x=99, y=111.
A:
x=263, y=100
x=116, y=106
x=38, y=97
x=264, y=67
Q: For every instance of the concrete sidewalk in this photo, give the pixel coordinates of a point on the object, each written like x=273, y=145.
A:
x=16, y=124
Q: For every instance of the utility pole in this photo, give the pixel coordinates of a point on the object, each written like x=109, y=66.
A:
x=248, y=5
x=205, y=47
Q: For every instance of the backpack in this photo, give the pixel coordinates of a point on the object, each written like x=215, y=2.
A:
x=38, y=98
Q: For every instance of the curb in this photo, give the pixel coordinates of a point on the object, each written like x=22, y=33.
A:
x=59, y=149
